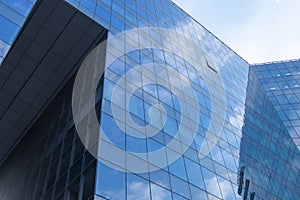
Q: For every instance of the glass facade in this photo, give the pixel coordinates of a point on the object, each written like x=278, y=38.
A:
x=190, y=176
x=64, y=169
x=268, y=153
x=61, y=167
x=281, y=83
x=177, y=84
x=13, y=14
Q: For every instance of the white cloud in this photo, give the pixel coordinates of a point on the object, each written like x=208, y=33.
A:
x=141, y=191
x=138, y=191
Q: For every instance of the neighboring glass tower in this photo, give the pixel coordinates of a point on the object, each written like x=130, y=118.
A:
x=281, y=83
x=268, y=153
x=182, y=116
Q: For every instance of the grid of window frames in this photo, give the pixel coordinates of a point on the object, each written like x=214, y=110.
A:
x=13, y=14
x=214, y=176
x=268, y=153
x=281, y=82
x=63, y=168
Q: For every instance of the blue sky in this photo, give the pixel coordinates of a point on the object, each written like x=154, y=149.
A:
x=258, y=30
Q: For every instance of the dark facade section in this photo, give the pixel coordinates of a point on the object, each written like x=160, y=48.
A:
x=51, y=161
x=47, y=52
x=41, y=155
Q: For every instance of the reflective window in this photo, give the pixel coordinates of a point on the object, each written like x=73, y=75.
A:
x=160, y=177
x=21, y=6
x=137, y=187
x=180, y=186
x=197, y=193
x=110, y=182
x=159, y=193
x=4, y=47
x=194, y=173
x=178, y=168
x=211, y=182
x=11, y=30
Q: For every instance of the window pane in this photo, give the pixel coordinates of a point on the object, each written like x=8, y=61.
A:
x=179, y=186
x=110, y=182
x=178, y=168
x=159, y=193
x=161, y=178
x=194, y=173
x=137, y=188
x=21, y=6
x=10, y=30
x=3, y=48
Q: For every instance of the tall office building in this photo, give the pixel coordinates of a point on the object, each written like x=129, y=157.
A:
x=269, y=154
x=281, y=83
x=134, y=99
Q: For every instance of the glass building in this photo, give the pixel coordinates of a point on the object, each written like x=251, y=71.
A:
x=281, y=83
x=181, y=115
x=267, y=151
